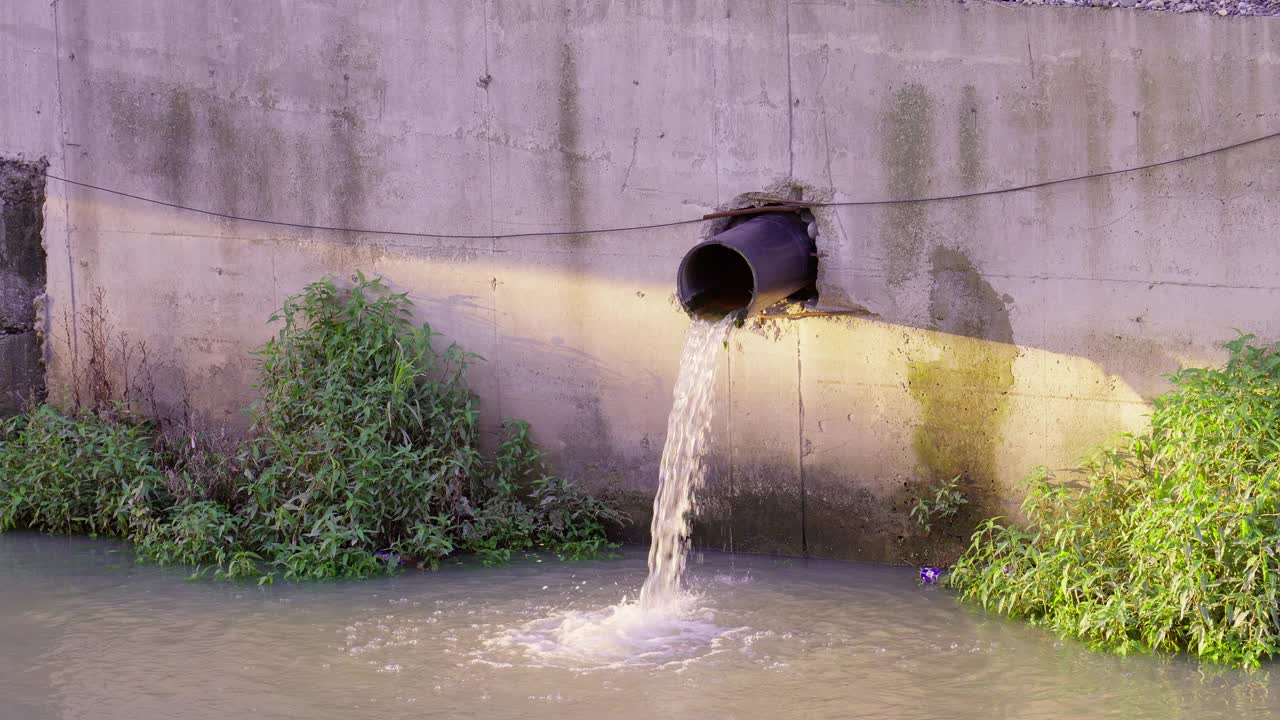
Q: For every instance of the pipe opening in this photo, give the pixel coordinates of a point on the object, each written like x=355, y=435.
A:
x=749, y=266
x=722, y=279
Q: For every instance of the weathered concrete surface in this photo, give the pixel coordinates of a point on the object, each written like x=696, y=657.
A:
x=21, y=371
x=29, y=119
x=1006, y=331
x=22, y=284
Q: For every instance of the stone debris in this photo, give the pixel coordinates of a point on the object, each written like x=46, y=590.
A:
x=1221, y=8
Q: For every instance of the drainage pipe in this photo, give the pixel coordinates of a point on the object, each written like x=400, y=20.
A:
x=750, y=266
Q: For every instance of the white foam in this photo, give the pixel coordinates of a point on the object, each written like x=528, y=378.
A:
x=619, y=636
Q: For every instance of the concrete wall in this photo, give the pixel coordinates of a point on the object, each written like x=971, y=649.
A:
x=994, y=334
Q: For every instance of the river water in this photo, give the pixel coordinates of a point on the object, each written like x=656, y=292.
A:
x=87, y=632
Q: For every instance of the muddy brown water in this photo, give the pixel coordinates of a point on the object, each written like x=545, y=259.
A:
x=88, y=632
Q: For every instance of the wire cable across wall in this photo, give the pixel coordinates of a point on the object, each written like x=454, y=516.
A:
x=673, y=223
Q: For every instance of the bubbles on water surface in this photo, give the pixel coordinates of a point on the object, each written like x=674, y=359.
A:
x=625, y=635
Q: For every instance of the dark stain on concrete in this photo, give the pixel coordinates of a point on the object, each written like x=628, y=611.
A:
x=970, y=138
x=350, y=152
x=177, y=133
x=592, y=427
x=768, y=520
x=568, y=136
x=306, y=168
x=226, y=157
x=907, y=156
x=638, y=505
x=260, y=173
x=750, y=507
x=22, y=258
x=349, y=189
x=750, y=512
x=1100, y=115
x=851, y=522
x=204, y=150
x=1146, y=122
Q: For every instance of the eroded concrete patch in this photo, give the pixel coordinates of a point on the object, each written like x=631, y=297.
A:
x=22, y=283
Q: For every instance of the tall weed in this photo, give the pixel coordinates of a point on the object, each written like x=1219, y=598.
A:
x=78, y=474
x=1168, y=542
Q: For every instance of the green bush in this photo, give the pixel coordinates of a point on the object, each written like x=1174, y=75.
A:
x=200, y=533
x=365, y=436
x=78, y=474
x=1167, y=543
x=363, y=455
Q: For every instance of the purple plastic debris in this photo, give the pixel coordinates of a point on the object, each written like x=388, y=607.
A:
x=929, y=576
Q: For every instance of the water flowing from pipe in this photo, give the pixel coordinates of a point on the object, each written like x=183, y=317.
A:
x=683, y=467
x=666, y=623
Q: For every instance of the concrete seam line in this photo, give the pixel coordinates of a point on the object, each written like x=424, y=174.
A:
x=673, y=223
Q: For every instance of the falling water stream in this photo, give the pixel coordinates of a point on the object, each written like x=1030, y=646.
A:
x=665, y=622
x=683, y=465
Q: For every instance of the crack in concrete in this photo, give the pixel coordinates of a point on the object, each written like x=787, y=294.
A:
x=635, y=146
x=74, y=314
x=804, y=501
x=791, y=134
x=493, y=244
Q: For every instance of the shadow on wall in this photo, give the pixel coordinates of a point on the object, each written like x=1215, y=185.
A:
x=925, y=248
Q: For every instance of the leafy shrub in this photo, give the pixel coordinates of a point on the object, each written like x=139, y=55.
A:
x=78, y=474
x=365, y=435
x=363, y=455
x=203, y=533
x=1166, y=543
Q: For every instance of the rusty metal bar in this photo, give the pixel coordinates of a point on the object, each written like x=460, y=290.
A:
x=754, y=211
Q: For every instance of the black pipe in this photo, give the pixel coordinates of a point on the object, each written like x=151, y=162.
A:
x=751, y=266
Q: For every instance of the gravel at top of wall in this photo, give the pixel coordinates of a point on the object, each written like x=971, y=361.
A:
x=1215, y=7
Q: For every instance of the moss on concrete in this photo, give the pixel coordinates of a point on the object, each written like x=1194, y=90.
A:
x=963, y=393
x=963, y=401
